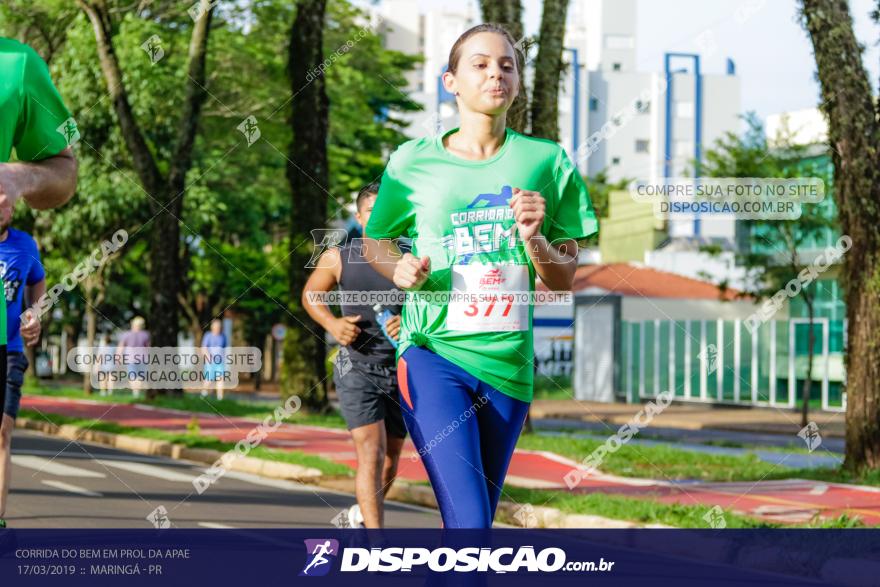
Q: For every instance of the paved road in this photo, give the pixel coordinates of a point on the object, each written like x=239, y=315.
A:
x=57, y=483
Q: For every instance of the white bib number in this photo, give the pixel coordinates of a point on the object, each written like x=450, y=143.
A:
x=489, y=298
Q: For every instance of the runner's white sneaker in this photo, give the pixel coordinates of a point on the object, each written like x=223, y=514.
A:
x=355, y=518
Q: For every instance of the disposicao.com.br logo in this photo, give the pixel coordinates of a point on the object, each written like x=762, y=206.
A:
x=468, y=559
x=320, y=554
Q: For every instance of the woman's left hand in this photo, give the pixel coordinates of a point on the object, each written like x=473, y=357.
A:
x=528, y=211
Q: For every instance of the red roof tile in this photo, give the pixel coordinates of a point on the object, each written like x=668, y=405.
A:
x=632, y=280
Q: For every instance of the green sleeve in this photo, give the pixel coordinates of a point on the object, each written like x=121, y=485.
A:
x=392, y=214
x=573, y=216
x=43, y=113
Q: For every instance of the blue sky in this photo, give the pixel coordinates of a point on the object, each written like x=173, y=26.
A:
x=772, y=52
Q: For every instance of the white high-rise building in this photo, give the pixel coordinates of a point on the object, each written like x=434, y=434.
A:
x=797, y=127
x=431, y=35
x=613, y=117
x=657, y=123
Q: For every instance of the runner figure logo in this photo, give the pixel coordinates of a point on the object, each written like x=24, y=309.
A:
x=319, y=556
x=492, y=200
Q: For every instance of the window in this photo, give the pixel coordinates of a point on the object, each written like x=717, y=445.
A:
x=682, y=148
x=642, y=146
x=615, y=160
x=684, y=109
x=615, y=66
x=620, y=42
x=643, y=106
x=594, y=104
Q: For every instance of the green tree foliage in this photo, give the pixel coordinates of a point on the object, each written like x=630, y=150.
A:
x=774, y=252
x=233, y=243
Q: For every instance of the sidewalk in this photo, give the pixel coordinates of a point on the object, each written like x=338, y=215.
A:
x=694, y=417
x=783, y=501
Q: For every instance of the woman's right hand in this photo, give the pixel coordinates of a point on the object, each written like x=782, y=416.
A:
x=411, y=272
x=345, y=329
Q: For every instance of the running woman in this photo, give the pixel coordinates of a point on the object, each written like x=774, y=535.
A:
x=35, y=123
x=489, y=209
x=366, y=382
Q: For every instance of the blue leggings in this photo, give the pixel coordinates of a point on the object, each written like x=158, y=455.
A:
x=465, y=431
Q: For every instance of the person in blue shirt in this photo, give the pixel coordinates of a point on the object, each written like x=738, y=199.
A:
x=214, y=352
x=22, y=274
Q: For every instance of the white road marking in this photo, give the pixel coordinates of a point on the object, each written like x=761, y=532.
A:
x=87, y=457
x=268, y=482
x=215, y=526
x=164, y=473
x=533, y=483
x=50, y=467
x=71, y=488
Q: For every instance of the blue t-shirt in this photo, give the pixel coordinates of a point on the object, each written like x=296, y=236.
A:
x=215, y=344
x=19, y=266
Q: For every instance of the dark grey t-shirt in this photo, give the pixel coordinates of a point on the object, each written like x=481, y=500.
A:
x=358, y=275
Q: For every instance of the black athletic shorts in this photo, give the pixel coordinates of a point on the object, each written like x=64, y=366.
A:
x=17, y=364
x=368, y=393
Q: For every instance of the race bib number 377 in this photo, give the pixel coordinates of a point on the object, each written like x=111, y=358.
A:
x=489, y=298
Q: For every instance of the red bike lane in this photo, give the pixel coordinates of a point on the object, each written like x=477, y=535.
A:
x=784, y=501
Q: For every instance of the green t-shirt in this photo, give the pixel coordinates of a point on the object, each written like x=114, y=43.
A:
x=33, y=119
x=457, y=212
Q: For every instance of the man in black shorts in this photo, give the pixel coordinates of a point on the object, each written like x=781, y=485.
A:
x=365, y=373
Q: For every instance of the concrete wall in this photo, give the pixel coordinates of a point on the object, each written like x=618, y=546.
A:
x=629, y=230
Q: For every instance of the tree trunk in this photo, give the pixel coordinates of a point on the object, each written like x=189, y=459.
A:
x=508, y=13
x=142, y=158
x=165, y=194
x=195, y=325
x=853, y=136
x=73, y=330
x=548, y=71
x=163, y=321
x=91, y=327
x=808, y=382
x=304, y=351
x=95, y=292
x=258, y=380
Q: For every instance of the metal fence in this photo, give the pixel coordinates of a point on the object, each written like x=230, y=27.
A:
x=723, y=361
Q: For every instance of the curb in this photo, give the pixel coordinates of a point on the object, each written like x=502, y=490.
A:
x=518, y=515
x=674, y=421
x=152, y=447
